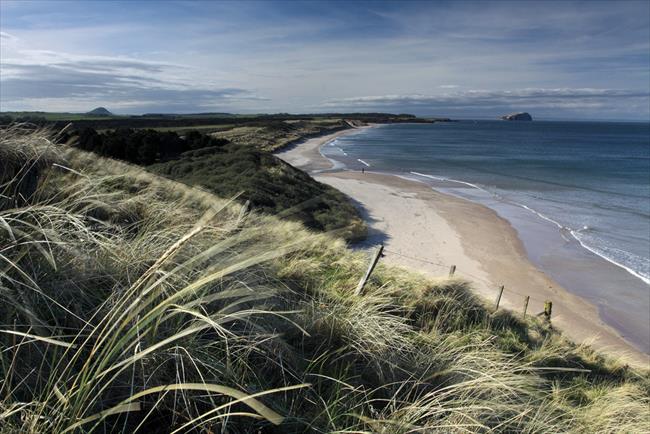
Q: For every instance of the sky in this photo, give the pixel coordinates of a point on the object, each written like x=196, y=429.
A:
x=554, y=59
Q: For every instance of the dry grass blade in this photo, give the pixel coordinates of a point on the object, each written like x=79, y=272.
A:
x=40, y=338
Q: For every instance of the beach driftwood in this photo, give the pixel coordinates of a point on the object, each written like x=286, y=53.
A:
x=373, y=263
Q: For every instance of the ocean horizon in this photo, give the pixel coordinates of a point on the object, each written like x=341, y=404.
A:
x=577, y=193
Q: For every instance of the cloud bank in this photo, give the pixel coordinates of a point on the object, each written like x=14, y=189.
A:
x=545, y=101
x=71, y=83
x=575, y=59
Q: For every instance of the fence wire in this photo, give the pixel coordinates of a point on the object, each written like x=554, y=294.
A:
x=463, y=273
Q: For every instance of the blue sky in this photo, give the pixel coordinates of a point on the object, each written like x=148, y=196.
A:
x=579, y=60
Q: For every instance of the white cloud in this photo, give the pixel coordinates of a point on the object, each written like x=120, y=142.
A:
x=7, y=36
x=42, y=79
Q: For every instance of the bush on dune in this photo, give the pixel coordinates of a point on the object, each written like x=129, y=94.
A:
x=271, y=186
x=132, y=303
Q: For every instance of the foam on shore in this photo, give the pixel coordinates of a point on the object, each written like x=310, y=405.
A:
x=575, y=233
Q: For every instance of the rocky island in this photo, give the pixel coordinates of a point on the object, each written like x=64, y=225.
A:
x=522, y=116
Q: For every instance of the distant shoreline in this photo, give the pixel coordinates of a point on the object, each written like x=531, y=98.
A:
x=428, y=231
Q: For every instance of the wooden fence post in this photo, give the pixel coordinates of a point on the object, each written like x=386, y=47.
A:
x=452, y=270
x=496, y=304
x=526, y=304
x=548, y=308
x=371, y=267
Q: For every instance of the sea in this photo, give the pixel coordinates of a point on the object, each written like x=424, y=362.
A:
x=577, y=193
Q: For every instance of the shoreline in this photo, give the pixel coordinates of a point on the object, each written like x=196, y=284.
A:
x=306, y=155
x=427, y=231
x=577, y=239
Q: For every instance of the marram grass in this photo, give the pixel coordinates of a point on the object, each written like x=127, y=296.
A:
x=131, y=303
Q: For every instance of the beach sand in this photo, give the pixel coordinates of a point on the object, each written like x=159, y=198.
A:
x=306, y=155
x=428, y=231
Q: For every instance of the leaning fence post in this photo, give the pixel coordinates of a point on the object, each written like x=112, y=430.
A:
x=526, y=304
x=452, y=270
x=371, y=267
x=548, y=308
x=496, y=304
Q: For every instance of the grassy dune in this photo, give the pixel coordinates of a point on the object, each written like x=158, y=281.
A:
x=270, y=184
x=132, y=303
x=272, y=135
x=227, y=168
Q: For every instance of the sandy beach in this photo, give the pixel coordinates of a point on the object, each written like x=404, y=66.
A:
x=306, y=155
x=428, y=231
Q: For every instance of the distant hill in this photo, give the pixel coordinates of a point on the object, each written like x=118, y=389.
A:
x=100, y=111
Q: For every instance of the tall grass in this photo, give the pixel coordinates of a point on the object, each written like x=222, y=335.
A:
x=130, y=303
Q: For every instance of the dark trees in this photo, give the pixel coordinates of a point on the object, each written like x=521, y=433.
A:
x=144, y=147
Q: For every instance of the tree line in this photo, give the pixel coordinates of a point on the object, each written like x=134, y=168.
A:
x=144, y=147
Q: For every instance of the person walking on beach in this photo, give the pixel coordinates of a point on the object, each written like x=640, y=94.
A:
x=363, y=170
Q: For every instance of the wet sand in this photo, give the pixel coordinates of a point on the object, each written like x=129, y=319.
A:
x=428, y=231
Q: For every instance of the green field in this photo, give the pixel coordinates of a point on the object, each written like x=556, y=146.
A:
x=53, y=116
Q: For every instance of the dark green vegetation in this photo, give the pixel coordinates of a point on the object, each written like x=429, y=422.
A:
x=143, y=147
x=43, y=118
x=175, y=121
x=232, y=157
x=132, y=303
x=239, y=165
x=270, y=184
